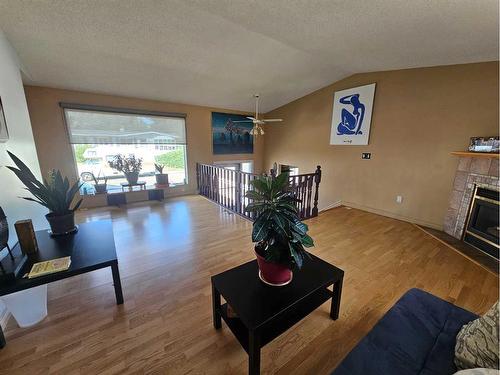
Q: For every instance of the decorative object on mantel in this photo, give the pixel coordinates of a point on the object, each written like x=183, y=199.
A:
x=55, y=193
x=279, y=234
x=161, y=178
x=130, y=166
x=4, y=133
x=26, y=236
x=352, y=115
x=484, y=144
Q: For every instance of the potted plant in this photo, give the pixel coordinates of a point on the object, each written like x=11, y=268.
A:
x=279, y=234
x=55, y=193
x=161, y=178
x=100, y=187
x=130, y=166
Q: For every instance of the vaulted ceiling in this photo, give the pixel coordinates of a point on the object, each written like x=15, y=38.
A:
x=220, y=52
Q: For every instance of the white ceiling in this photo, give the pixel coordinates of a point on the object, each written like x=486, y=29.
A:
x=220, y=52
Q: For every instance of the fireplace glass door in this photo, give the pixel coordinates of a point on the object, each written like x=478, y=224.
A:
x=483, y=225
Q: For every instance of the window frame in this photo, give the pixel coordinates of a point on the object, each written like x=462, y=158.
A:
x=119, y=110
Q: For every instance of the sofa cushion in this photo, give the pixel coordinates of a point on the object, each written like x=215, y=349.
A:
x=416, y=336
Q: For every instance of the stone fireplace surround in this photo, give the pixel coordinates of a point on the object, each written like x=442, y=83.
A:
x=471, y=171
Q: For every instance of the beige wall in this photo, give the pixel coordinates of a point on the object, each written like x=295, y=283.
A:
x=419, y=117
x=54, y=150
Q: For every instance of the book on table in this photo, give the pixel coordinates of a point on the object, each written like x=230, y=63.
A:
x=49, y=266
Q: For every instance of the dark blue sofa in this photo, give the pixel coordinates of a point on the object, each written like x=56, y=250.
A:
x=416, y=336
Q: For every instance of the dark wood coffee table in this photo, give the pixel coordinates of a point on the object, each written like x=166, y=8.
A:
x=264, y=312
x=91, y=248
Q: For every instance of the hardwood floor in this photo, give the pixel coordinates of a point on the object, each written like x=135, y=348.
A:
x=167, y=252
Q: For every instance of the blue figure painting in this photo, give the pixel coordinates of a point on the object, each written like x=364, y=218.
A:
x=351, y=122
x=352, y=115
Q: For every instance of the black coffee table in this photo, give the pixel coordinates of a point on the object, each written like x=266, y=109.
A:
x=264, y=312
x=91, y=248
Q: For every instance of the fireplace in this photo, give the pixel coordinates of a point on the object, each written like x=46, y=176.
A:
x=482, y=226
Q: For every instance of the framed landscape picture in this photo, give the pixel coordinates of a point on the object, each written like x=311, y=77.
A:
x=4, y=134
x=352, y=115
x=231, y=134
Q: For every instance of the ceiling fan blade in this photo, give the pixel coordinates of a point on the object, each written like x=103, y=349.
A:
x=273, y=120
x=242, y=121
x=251, y=118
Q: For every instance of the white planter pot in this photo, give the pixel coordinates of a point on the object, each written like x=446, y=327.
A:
x=29, y=306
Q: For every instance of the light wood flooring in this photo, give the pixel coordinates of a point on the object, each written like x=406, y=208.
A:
x=167, y=253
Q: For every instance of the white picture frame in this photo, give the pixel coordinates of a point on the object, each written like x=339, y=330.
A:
x=4, y=133
x=352, y=115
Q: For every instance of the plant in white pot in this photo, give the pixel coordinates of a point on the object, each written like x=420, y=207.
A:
x=55, y=193
x=130, y=166
x=280, y=236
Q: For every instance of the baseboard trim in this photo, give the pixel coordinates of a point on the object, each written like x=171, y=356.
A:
x=393, y=215
x=330, y=206
x=384, y=213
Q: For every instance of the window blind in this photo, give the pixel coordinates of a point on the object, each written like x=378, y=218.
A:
x=87, y=126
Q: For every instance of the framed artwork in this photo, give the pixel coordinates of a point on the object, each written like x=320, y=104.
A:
x=485, y=144
x=4, y=134
x=352, y=115
x=231, y=134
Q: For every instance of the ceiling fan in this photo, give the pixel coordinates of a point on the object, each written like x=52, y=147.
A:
x=257, y=123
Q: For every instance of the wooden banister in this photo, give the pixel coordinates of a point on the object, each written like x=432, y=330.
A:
x=228, y=188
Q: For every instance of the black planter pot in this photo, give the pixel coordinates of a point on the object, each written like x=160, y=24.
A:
x=132, y=177
x=162, y=179
x=61, y=224
x=100, y=188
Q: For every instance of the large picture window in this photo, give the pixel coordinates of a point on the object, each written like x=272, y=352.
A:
x=98, y=134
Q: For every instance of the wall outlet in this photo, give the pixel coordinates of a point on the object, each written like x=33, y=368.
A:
x=366, y=155
x=399, y=199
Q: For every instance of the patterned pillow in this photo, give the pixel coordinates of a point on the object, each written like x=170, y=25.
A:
x=477, y=342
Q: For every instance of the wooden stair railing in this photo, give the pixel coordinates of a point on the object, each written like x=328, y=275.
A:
x=228, y=187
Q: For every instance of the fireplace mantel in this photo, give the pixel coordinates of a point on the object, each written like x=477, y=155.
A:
x=468, y=154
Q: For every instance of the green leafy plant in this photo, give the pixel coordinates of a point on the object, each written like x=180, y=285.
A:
x=159, y=168
x=55, y=192
x=100, y=176
x=280, y=235
x=126, y=164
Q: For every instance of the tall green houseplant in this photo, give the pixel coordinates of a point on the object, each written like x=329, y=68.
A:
x=280, y=236
x=55, y=193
